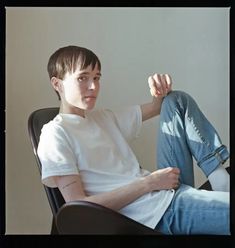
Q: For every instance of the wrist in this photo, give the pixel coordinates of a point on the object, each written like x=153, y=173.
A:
x=146, y=183
x=157, y=103
x=158, y=98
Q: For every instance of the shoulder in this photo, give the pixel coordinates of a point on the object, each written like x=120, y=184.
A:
x=54, y=129
x=54, y=137
x=54, y=125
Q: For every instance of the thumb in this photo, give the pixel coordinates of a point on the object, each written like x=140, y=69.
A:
x=176, y=170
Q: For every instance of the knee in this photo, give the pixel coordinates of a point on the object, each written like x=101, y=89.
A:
x=176, y=94
x=177, y=101
x=177, y=97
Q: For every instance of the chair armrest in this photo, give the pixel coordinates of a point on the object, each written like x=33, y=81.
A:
x=82, y=217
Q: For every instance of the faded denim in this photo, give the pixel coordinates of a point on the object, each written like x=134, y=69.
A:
x=185, y=133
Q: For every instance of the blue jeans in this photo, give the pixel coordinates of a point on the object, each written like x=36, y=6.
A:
x=184, y=134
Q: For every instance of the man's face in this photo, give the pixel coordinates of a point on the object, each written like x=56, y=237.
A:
x=80, y=89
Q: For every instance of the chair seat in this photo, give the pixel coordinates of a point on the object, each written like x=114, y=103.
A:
x=82, y=217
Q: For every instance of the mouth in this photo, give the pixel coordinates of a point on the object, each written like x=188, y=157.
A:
x=90, y=98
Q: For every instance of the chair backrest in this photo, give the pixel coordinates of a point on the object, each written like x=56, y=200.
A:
x=35, y=123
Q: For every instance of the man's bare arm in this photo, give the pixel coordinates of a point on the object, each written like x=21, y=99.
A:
x=72, y=189
x=160, y=85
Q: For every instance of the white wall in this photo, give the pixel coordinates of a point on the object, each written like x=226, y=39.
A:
x=191, y=44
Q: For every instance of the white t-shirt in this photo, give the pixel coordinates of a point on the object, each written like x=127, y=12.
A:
x=97, y=148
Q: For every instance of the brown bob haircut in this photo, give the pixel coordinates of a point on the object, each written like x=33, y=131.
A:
x=67, y=59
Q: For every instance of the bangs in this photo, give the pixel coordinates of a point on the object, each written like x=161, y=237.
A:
x=85, y=60
x=70, y=58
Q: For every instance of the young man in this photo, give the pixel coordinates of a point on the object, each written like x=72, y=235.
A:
x=86, y=153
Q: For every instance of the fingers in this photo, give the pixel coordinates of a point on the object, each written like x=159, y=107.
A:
x=160, y=84
x=164, y=84
x=175, y=170
x=168, y=81
x=152, y=86
x=176, y=185
x=165, y=178
x=174, y=175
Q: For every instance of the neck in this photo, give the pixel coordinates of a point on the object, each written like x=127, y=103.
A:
x=65, y=109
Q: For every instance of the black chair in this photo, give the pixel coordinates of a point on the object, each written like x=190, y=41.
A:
x=81, y=217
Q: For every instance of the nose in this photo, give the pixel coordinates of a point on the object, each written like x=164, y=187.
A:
x=91, y=85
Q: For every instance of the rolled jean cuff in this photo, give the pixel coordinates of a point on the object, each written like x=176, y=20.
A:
x=212, y=161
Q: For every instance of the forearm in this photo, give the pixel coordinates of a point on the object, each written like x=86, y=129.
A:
x=120, y=197
x=162, y=179
x=71, y=187
x=160, y=86
x=151, y=109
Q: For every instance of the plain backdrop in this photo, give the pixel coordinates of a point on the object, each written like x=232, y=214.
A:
x=191, y=44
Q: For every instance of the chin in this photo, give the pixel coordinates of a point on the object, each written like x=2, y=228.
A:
x=90, y=107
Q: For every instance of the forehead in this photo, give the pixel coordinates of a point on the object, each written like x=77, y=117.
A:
x=88, y=69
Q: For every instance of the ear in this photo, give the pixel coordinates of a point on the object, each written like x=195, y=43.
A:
x=56, y=84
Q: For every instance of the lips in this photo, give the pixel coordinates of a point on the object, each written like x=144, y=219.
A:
x=90, y=97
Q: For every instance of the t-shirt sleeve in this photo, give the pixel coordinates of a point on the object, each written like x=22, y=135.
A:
x=56, y=155
x=129, y=121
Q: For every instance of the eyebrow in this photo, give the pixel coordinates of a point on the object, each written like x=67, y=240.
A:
x=87, y=73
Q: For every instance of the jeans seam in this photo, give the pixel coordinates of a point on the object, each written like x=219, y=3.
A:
x=199, y=134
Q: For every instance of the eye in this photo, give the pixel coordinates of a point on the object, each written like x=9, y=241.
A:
x=82, y=79
x=97, y=78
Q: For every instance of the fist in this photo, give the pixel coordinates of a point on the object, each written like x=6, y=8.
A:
x=160, y=84
x=167, y=178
